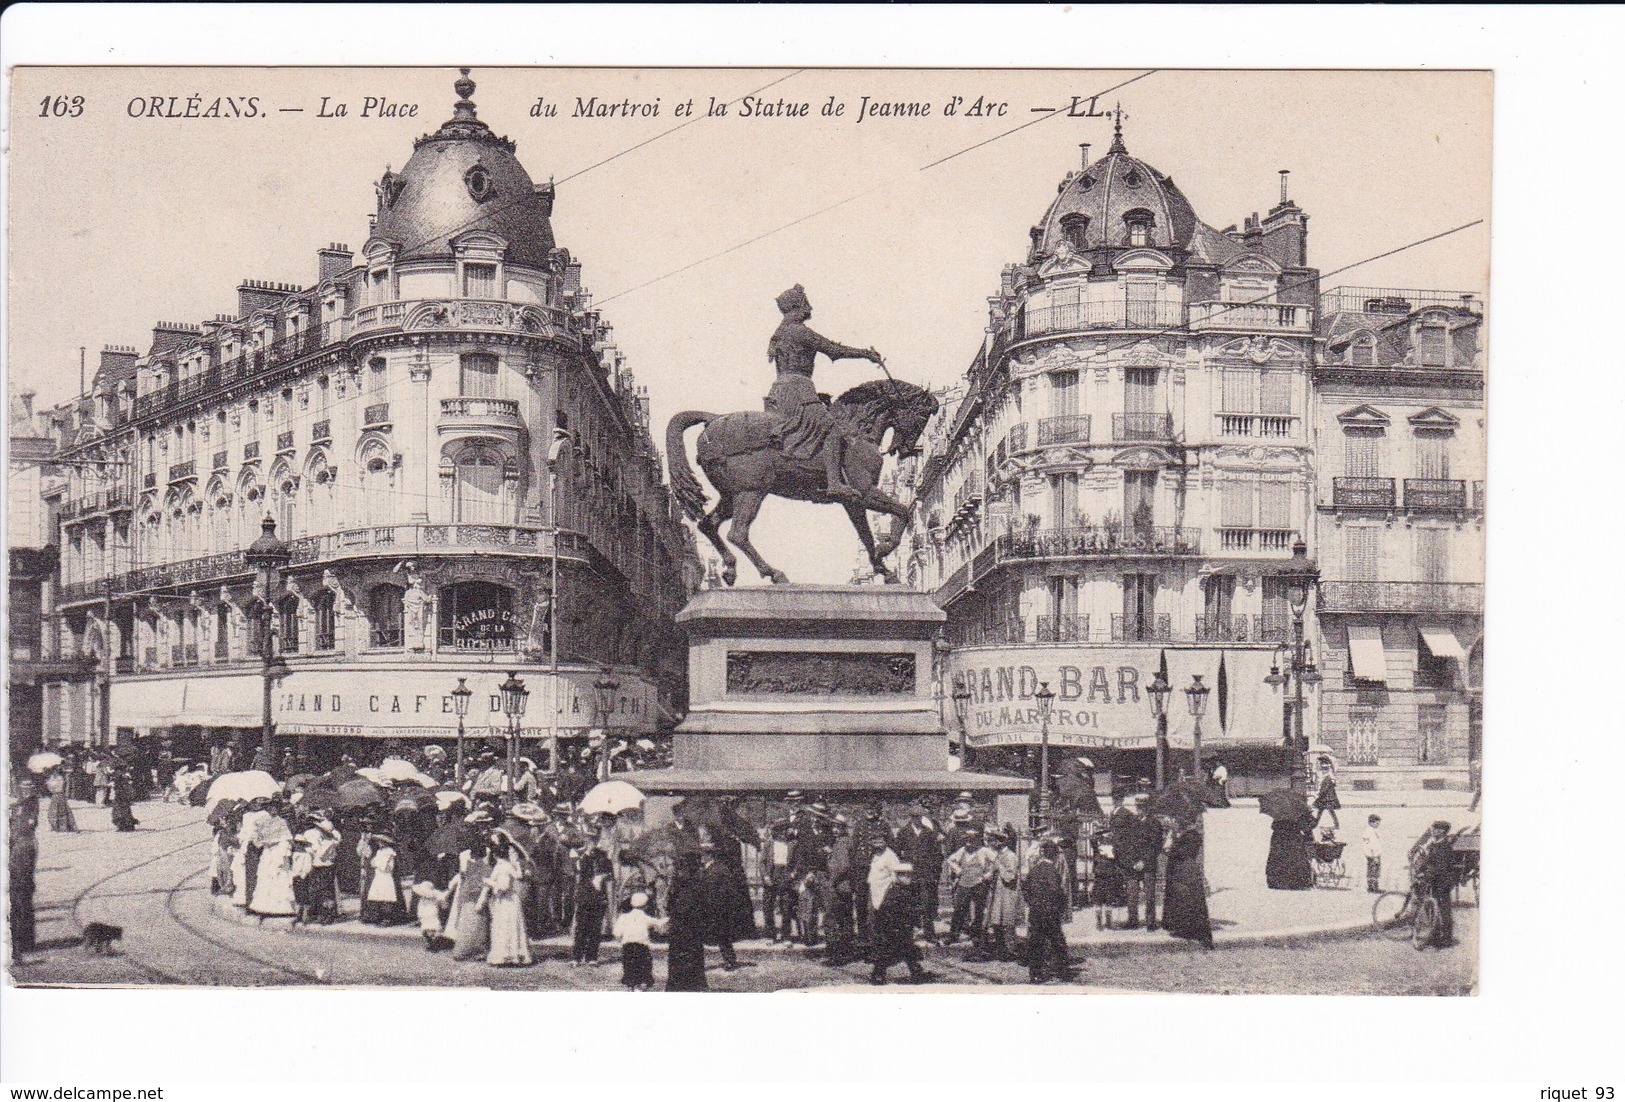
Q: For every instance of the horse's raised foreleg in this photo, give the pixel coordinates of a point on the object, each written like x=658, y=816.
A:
x=710, y=526
x=747, y=503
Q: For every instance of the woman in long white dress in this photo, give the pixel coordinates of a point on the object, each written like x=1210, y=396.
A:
x=470, y=922
x=273, y=884
x=505, y=888
x=247, y=832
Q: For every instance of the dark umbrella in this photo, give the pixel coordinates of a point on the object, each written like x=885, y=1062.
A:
x=223, y=810
x=1284, y=803
x=200, y=794
x=1182, y=801
x=357, y=793
x=300, y=781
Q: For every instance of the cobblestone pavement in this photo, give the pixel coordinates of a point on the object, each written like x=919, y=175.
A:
x=152, y=883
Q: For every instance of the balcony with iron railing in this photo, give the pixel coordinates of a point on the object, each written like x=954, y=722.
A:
x=473, y=416
x=1016, y=439
x=1142, y=428
x=1102, y=541
x=1222, y=629
x=321, y=432
x=1260, y=426
x=1146, y=628
x=251, y=450
x=220, y=461
x=1071, y=428
x=1064, y=628
x=1273, y=627
x=180, y=472
x=1463, y=597
x=1012, y=629
x=284, y=442
x=102, y=501
x=1280, y=317
x=1361, y=492
x=240, y=369
x=1396, y=300
x=1099, y=314
x=1435, y=495
x=375, y=415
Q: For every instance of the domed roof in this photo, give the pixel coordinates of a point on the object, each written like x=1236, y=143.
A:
x=1108, y=191
x=462, y=179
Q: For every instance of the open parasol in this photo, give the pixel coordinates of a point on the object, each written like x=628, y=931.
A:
x=1182, y=801
x=357, y=793
x=1283, y=803
x=250, y=784
x=45, y=759
x=611, y=798
x=447, y=798
x=223, y=811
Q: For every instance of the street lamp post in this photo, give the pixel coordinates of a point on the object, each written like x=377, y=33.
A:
x=459, y=701
x=605, y=690
x=514, y=697
x=1159, y=691
x=962, y=698
x=268, y=555
x=1046, y=698
x=1196, y=694
x=1301, y=576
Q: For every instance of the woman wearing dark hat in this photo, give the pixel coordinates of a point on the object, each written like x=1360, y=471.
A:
x=685, y=958
x=593, y=878
x=811, y=431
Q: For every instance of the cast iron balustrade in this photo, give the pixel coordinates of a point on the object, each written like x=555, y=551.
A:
x=242, y=368
x=321, y=432
x=1011, y=630
x=1401, y=597
x=284, y=441
x=181, y=471
x=149, y=480
x=251, y=450
x=375, y=415
x=1132, y=427
x=1097, y=541
x=1363, y=493
x=1151, y=628
x=1395, y=300
x=1263, y=426
x=1065, y=628
x=1067, y=429
x=219, y=461
x=1109, y=314
x=1272, y=628
x=1435, y=495
x=1221, y=629
x=1016, y=439
x=1281, y=317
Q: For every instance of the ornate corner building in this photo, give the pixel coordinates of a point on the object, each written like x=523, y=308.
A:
x=1119, y=484
x=440, y=426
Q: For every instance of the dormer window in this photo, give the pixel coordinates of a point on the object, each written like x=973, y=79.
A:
x=1362, y=351
x=479, y=281
x=380, y=285
x=1433, y=343
x=1075, y=229
x=1139, y=224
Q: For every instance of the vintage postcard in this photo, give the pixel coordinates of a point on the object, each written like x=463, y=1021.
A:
x=744, y=530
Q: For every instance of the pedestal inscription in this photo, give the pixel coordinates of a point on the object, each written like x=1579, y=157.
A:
x=815, y=673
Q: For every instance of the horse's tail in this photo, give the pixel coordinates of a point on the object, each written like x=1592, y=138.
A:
x=684, y=485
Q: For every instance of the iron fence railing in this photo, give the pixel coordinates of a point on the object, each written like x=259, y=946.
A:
x=1072, y=428
x=1148, y=628
x=1064, y=628
x=1435, y=494
x=1359, y=492
x=1142, y=427
x=1396, y=596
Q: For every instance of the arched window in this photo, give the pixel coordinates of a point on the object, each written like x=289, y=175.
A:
x=479, y=374
x=376, y=508
x=288, y=623
x=283, y=506
x=477, y=491
x=476, y=616
x=1139, y=224
x=386, y=612
x=319, y=496
x=326, y=626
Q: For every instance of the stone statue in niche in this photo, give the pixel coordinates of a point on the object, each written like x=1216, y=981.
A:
x=416, y=606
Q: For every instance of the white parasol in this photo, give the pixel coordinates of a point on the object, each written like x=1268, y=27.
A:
x=395, y=769
x=250, y=784
x=45, y=759
x=611, y=798
x=445, y=799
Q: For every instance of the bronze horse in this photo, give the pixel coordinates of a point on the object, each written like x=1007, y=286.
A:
x=740, y=454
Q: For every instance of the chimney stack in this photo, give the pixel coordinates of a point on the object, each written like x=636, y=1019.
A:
x=1084, y=147
x=333, y=261
x=1285, y=172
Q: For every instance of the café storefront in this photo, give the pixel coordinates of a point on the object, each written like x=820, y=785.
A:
x=1102, y=712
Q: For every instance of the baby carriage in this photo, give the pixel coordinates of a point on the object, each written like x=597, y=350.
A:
x=1326, y=855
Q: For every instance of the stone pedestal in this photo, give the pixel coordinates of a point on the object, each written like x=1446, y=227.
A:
x=825, y=689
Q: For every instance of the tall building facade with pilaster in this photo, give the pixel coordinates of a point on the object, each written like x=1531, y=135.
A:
x=455, y=451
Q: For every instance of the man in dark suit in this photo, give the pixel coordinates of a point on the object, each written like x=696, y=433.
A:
x=717, y=888
x=1434, y=859
x=919, y=843
x=1046, y=905
x=864, y=833
x=1138, y=857
x=894, y=931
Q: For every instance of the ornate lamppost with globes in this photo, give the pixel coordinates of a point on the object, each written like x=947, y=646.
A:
x=1046, y=699
x=605, y=691
x=1158, y=692
x=459, y=701
x=1301, y=576
x=1196, y=695
x=514, y=698
x=962, y=699
x=268, y=555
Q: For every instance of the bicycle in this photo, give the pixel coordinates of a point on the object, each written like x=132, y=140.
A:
x=1412, y=915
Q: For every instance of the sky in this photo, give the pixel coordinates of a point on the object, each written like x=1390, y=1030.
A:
x=897, y=226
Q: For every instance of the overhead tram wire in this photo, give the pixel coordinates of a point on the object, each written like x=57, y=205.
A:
x=1057, y=113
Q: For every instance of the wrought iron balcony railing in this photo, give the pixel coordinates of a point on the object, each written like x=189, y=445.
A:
x=321, y=431
x=284, y=441
x=375, y=415
x=1148, y=628
x=1142, y=427
x=242, y=368
x=1016, y=439
x=1010, y=630
x=1363, y=493
x=180, y=471
x=1446, y=495
x=1465, y=597
x=1098, y=540
x=251, y=450
x=1072, y=428
x=1222, y=629
x=1272, y=628
x=220, y=461
x=1065, y=628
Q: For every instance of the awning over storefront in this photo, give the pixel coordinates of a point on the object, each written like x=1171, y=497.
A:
x=222, y=702
x=1366, y=653
x=1441, y=641
x=153, y=703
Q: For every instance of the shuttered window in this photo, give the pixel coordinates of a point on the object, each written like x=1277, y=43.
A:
x=1236, y=504
x=1361, y=457
x=1140, y=395
x=1432, y=455
x=1240, y=391
x=1063, y=393
x=1277, y=392
x=1362, y=549
x=1432, y=554
x=1275, y=505
x=479, y=281
x=480, y=375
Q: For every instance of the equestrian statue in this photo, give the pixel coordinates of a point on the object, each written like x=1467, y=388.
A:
x=803, y=446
